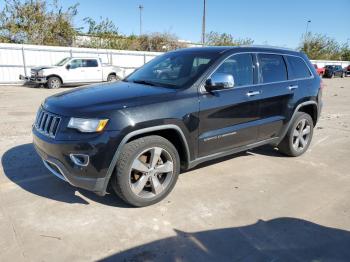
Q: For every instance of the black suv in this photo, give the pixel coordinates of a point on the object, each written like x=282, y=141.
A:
x=334, y=70
x=180, y=109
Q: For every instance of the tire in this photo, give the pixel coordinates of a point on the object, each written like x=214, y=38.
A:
x=136, y=179
x=294, y=144
x=112, y=78
x=54, y=82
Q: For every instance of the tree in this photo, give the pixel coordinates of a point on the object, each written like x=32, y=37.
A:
x=36, y=22
x=225, y=39
x=345, y=52
x=318, y=46
x=160, y=42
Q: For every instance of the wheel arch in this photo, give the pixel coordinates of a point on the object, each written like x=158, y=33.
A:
x=302, y=107
x=171, y=132
x=310, y=109
x=53, y=75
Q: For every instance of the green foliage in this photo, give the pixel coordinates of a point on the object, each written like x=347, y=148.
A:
x=36, y=22
x=104, y=34
x=225, y=39
x=322, y=47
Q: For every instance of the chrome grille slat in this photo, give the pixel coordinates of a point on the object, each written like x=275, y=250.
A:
x=47, y=123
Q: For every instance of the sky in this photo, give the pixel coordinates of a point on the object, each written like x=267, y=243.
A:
x=272, y=22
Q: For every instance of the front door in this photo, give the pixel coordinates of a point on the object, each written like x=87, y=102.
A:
x=228, y=117
x=75, y=73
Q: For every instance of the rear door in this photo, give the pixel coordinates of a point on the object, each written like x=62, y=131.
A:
x=228, y=117
x=93, y=73
x=276, y=92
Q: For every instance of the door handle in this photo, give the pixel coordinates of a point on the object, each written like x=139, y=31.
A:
x=292, y=87
x=253, y=93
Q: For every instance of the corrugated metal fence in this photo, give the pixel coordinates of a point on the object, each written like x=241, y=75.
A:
x=16, y=59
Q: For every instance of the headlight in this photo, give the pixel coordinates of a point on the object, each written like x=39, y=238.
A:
x=40, y=73
x=87, y=125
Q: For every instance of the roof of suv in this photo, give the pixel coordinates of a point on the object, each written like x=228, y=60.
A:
x=252, y=48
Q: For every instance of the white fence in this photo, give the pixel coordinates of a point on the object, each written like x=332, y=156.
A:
x=322, y=63
x=16, y=59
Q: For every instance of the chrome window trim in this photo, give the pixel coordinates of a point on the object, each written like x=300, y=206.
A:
x=202, y=88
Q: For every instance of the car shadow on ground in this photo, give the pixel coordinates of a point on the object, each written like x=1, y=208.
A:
x=280, y=239
x=23, y=166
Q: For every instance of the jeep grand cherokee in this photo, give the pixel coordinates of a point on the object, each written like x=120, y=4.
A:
x=178, y=110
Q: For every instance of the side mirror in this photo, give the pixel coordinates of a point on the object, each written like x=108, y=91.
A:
x=68, y=66
x=219, y=81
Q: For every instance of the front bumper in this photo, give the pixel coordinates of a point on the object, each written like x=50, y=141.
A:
x=31, y=79
x=56, y=158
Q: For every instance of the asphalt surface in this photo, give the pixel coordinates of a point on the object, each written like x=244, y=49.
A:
x=254, y=206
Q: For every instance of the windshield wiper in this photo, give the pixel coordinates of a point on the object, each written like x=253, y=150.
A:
x=143, y=82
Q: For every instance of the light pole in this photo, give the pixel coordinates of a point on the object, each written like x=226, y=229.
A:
x=203, y=23
x=307, y=27
x=141, y=9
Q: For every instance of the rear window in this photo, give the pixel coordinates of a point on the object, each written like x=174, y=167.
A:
x=298, y=67
x=273, y=68
x=90, y=63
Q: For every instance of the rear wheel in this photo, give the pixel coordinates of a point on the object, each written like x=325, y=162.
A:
x=146, y=171
x=54, y=82
x=299, y=135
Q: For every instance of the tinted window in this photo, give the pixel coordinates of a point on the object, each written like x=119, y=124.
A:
x=298, y=67
x=240, y=67
x=174, y=69
x=90, y=63
x=273, y=68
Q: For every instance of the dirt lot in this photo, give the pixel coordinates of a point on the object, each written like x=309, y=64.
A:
x=255, y=206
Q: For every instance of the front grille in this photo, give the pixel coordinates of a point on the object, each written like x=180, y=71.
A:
x=47, y=123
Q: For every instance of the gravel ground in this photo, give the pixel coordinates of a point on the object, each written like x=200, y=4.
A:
x=254, y=206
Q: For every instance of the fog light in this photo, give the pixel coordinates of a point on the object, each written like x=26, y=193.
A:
x=79, y=159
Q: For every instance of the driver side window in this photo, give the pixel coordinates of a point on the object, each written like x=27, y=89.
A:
x=76, y=63
x=240, y=66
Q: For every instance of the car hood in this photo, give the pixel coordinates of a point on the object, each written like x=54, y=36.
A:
x=94, y=99
x=38, y=68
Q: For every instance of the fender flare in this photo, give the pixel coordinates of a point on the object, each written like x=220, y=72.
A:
x=283, y=134
x=135, y=133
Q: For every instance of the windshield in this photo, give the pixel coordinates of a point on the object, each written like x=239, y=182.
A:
x=62, y=62
x=174, y=70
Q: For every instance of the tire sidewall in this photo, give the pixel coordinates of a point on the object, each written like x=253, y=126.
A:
x=123, y=169
x=110, y=77
x=299, y=116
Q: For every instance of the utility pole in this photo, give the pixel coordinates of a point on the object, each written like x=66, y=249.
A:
x=203, y=23
x=141, y=9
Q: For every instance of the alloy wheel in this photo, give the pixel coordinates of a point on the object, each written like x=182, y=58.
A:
x=301, y=135
x=151, y=172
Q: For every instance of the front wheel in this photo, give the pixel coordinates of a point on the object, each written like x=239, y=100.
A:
x=54, y=82
x=299, y=135
x=146, y=171
x=112, y=78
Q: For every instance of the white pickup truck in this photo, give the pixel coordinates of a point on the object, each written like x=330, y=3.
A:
x=74, y=71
